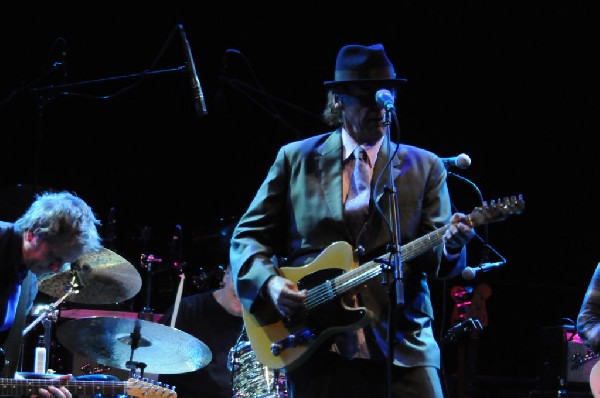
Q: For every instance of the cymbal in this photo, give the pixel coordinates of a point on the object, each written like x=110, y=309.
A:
x=103, y=277
x=109, y=341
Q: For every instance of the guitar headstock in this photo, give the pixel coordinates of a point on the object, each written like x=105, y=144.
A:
x=497, y=210
x=143, y=389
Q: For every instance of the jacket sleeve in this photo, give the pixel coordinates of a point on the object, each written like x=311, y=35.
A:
x=588, y=319
x=255, y=237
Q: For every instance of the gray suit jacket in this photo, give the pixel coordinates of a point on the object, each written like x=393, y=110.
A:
x=298, y=212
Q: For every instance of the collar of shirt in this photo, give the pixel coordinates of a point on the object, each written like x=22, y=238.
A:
x=350, y=145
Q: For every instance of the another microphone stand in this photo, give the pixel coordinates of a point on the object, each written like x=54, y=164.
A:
x=59, y=88
x=48, y=93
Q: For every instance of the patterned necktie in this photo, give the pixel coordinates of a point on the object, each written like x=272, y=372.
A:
x=357, y=203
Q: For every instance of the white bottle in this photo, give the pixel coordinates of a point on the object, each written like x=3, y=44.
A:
x=39, y=364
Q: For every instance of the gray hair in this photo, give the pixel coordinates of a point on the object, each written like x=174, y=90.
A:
x=332, y=114
x=62, y=218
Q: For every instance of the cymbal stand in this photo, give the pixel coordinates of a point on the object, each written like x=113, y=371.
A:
x=147, y=313
x=50, y=315
x=136, y=336
x=51, y=308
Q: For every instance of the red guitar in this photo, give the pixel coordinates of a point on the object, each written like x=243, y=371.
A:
x=470, y=315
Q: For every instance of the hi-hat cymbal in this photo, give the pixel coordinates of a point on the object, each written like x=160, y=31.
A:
x=109, y=341
x=103, y=277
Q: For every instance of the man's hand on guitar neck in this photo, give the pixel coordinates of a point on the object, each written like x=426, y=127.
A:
x=458, y=234
x=285, y=295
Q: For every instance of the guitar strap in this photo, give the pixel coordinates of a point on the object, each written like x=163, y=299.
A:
x=12, y=344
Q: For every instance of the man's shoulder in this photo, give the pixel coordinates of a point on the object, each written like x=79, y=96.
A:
x=6, y=226
x=308, y=142
x=195, y=298
x=190, y=303
x=323, y=144
x=418, y=151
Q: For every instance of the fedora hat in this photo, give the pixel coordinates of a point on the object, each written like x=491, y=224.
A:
x=363, y=64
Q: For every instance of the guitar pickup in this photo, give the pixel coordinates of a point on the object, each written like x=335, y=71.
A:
x=293, y=340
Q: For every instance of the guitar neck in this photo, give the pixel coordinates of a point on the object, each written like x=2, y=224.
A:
x=32, y=386
x=358, y=276
x=488, y=212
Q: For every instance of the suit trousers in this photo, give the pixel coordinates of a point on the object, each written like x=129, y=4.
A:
x=329, y=375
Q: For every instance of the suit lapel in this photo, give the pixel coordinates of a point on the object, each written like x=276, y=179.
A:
x=329, y=166
x=382, y=160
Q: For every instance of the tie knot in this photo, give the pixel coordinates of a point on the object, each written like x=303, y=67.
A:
x=360, y=153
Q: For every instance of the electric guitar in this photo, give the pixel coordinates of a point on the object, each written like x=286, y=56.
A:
x=132, y=387
x=335, y=272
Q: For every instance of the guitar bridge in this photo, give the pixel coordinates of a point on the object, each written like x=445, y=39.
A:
x=293, y=340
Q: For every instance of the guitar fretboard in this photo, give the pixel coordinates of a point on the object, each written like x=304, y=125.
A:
x=344, y=283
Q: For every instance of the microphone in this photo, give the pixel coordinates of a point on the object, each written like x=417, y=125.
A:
x=469, y=273
x=385, y=98
x=461, y=161
x=199, y=103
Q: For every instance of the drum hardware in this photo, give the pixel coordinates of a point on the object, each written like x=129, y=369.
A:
x=48, y=314
x=250, y=378
x=146, y=262
x=102, y=277
x=125, y=343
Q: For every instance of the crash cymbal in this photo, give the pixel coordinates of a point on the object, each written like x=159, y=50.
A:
x=109, y=341
x=103, y=277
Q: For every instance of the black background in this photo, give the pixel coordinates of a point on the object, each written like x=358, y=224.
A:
x=513, y=84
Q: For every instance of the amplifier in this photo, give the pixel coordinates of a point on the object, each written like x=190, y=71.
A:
x=564, y=360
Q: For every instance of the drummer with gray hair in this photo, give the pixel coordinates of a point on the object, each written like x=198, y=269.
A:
x=56, y=229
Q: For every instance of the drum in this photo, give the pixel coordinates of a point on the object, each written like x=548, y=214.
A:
x=250, y=378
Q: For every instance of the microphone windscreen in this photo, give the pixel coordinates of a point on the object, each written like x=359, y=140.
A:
x=463, y=161
x=468, y=273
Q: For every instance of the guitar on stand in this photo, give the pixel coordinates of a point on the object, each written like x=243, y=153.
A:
x=469, y=317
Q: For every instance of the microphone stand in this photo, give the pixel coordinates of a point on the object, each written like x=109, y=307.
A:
x=396, y=287
x=46, y=94
x=58, y=88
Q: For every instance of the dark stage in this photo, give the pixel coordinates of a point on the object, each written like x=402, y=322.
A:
x=512, y=84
